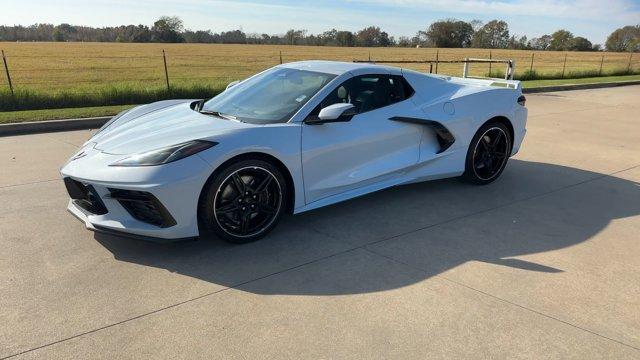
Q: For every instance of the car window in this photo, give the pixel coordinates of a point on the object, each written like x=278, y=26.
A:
x=271, y=97
x=368, y=92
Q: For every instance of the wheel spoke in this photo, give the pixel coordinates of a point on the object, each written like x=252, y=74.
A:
x=496, y=140
x=489, y=165
x=263, y=185
x=239, y=183
x=244, y=222
x=228, y=208
x=485, y=143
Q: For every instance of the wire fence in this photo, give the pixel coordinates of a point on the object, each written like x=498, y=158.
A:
x=93, y=72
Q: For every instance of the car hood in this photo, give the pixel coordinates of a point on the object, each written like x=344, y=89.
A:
x=158, y=125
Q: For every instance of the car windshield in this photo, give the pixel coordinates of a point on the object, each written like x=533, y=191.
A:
x=271, y=97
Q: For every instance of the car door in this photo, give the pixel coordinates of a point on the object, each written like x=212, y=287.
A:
x=343, y=156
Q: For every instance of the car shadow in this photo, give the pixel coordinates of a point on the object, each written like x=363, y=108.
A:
x=548, y=220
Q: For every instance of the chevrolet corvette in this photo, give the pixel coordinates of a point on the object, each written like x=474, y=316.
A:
x=290, y=139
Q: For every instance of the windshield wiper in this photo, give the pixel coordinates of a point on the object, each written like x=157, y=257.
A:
x=219, y=114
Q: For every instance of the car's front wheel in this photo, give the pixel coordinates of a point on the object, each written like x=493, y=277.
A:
x=244, y=201
x=488, y=154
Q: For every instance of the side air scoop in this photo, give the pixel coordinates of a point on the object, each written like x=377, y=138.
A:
x=444, y=136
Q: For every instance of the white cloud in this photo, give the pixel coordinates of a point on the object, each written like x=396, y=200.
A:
x=599, y=10
x=594, y=19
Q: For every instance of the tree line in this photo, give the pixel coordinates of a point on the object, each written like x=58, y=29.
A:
x=448, y=33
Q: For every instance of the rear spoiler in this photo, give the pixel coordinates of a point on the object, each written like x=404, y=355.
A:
x=511, y=84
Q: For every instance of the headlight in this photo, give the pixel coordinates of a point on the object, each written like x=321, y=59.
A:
x=166, y=155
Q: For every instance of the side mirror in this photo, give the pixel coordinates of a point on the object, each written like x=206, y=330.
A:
x=334, y=113
x=232, y=84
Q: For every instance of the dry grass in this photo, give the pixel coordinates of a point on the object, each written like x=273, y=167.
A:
x=88, y=67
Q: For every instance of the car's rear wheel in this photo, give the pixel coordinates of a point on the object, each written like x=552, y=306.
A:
x=488, y=154
x=244, y=201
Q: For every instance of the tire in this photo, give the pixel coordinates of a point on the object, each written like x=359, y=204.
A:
x=248, y=215
x=488, y=154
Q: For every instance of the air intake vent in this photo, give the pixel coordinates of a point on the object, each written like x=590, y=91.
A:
x=143, y=206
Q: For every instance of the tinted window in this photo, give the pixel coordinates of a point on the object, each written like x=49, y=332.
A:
x=271, y=97
x=368, y=92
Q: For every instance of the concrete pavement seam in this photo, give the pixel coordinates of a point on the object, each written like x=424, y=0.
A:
x=28, y=183
x=235, y=286
x=504, y=300
x=363, y=247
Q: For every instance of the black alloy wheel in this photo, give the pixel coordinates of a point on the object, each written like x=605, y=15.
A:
x=488, y=154
x=245, y=201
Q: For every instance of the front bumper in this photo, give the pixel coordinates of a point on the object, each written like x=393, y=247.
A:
x=82, y=215
x=156, y=203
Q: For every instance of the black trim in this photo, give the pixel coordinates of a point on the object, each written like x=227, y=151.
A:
x=103, y=230
x=143, y=206
x=111, y=232
x=444, y=136
x=75, y=189
x=85, y=196
x=522, y=100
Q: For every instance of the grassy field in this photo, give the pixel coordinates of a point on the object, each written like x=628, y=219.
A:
x=60, y=75
x=54, y=114
x=593, y=80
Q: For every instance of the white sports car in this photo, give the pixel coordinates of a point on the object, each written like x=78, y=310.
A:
x=293, y=138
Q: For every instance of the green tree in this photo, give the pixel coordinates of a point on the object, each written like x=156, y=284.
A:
x=624, y=39
x=58, y=35
x=493, y=35
x=561, y=40
x=449, y=33
x=345, y=38
x=541, y=43
x=168, y=29
x=329, y=37
x=295, y=37
x=579, y=43
x=372, y=36
x=518, y=43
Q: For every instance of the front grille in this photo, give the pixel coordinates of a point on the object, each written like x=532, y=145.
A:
x=143, y=206
x=85, y=196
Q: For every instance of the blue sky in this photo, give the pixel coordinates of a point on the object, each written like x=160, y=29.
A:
x=594, y=19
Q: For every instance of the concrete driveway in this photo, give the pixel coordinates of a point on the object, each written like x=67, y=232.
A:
x=544, y=263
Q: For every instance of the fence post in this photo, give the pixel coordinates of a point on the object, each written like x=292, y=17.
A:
x=6, y=69
x=629, y=66
x=166, y=72
x=601, y=63
x=465, y=71
x=369, y=56
x=437, y=54
x=280, y=57
x=564, y=65
x=511, y=70
x=490, y=63
x=531, y=67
